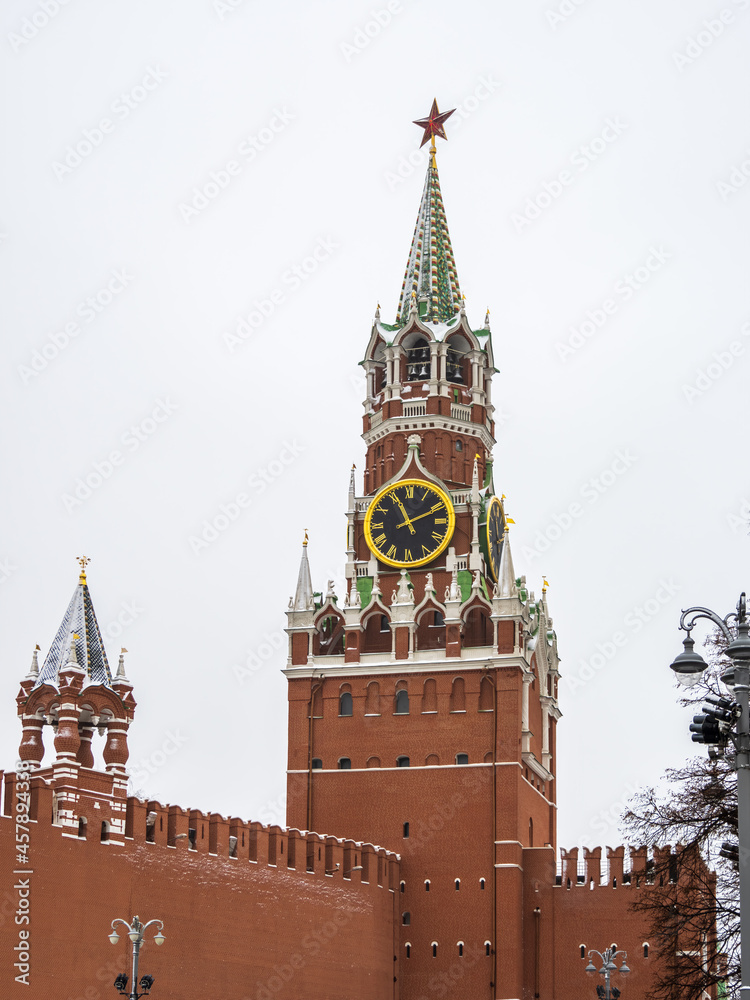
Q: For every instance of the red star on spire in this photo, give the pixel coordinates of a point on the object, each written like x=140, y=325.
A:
x=433, y=125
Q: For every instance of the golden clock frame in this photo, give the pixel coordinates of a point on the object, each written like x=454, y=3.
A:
x=401, y=564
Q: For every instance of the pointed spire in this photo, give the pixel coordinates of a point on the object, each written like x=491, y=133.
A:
x=352, y=488
x=303, y=596
x=475, y=481
x=34, y=668
x=430, y=281
x=487, y=320
x=78, y=640
x=506, y=576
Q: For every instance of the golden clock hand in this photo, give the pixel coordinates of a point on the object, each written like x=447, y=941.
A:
x=430, y=511
x=408, y=519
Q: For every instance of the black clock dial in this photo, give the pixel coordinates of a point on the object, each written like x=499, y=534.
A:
x=409, y=523
x=495, y=532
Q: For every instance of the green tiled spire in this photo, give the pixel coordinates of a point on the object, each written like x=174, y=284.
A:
x=431, y=268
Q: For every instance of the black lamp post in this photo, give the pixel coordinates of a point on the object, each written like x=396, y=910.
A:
x=609, y=966
x=723, y=721
x=136, y=932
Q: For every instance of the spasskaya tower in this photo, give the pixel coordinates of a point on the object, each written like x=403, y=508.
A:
x=423, y=700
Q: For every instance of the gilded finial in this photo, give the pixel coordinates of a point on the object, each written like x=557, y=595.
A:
x=305, y=541
x=545, y=584
x=83, y=561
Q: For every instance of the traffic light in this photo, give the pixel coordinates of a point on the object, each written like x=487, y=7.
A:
x=713, y=724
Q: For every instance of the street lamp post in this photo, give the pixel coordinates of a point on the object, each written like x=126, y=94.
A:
x=715, y=727
x=136, y=931
x=608, y=956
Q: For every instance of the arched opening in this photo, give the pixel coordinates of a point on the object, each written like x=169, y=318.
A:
x=457, y=884
x=402, y=762
x=345, y=764
x=434, y=949
x=377, y=637
x=462, y=758
x=477, y=629
x=426, y=885
x=645, y=949
x=487, y=947
x=531, y=832
x=416, y=363
x=104, y=836
x=317, y=764
x=429, y=697
x=486, y=695
x=405, y=918
x=430, y=630
x=457, y=366
x=481, y=883
x=402, y=701
x=346, y=705
x=329, y=637
x=460, y=949
x=82, y=827
x=408, y=950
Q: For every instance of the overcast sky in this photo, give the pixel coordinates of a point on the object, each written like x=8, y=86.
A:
x=203, y=203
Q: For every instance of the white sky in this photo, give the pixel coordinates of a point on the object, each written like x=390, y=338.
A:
x=183, y=87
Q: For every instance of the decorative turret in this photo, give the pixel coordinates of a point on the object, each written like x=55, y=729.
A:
x=74, y=693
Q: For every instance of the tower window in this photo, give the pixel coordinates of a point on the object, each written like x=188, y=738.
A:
x=346, y=705
x=486, y=947
x=82, y=827
x=402, y=702
x=457, y=884
x=402, y=762
x=317, y=764
x=434, y=949
x=459, y=446
x=583, y=951
x=385, y=625
x=406, y=918
x=481, y=883
x=105, y=833
x=345, y=764
x=403, y=886
x=645, y=949
x=408, y=951
x=462, y=758
x=406, y=830
x=460, y=949
x=426, y=885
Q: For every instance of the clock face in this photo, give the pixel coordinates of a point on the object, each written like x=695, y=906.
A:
x=409, y=523
x=495, y=532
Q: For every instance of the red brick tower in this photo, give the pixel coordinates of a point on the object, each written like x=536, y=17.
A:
x=75, y=694
x=423, y=704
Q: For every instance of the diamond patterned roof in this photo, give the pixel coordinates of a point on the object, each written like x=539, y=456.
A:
x=431, y=268
x=80, y=618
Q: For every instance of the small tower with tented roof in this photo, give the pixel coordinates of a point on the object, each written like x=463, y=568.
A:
x=75, y=694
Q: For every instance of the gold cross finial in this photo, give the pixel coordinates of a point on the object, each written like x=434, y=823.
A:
x=83, y=562
x=305, y=541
